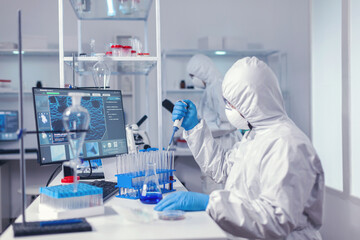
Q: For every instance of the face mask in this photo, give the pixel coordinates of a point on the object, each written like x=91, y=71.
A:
x=198, y=82
x=236, y=119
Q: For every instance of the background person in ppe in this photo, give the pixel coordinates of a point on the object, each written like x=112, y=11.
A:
x=211, y=108
x=274, y=178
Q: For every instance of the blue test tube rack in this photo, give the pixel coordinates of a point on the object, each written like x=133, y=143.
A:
x=130, y=184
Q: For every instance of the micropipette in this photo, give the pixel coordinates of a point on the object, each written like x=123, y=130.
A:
x=176, y=126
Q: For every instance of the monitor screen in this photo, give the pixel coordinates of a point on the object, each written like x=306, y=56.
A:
x=105, y=137
x=9, y=124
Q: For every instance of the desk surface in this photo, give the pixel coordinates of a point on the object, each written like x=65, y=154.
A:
x=115, y=224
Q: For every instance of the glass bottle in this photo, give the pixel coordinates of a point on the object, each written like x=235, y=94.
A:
x=101, y=74
x=128, y=7
x=151, y=192
x=76, y=122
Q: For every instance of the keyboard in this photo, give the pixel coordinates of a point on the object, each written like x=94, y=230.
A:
x=37, y=228
x=109, y=189
x=92, y=176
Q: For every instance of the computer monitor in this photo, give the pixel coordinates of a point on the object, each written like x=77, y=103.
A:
x=106, y=136
x=9, y=124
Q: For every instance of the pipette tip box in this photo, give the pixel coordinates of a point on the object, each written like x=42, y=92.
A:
x=61, y=201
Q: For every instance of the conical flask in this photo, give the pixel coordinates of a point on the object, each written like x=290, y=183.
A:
x=101, y=74
x=151, y=192
x=76, y=122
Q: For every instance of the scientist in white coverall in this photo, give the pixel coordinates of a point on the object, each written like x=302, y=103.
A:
x=274, y=181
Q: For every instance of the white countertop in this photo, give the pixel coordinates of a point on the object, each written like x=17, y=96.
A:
x=115, y=224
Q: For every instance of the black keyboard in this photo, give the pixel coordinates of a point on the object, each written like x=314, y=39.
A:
x=109, y=189
x=92, y=176
x=37, y=228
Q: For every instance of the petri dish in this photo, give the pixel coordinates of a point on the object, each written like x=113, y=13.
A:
x=172, y=215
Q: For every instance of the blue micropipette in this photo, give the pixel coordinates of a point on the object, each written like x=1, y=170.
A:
x=176, y=126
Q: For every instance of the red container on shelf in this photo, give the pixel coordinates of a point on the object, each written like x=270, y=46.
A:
x=126, y=50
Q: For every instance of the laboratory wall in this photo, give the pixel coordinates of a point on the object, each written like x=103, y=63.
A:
x=274, y=24
x=335, y=60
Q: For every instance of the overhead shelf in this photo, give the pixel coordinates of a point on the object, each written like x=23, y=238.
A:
x=222, y=53
x=110, y=9
x=32, y=52
x=123, y=65
x=186, y=90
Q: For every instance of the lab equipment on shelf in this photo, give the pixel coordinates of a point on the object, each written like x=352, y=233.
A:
x=126, y=51
x=128, y=7
x=101, y=74
x=150, y=192
x=132, y=171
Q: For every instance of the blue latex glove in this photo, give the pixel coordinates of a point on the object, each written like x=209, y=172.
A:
x=189, y=114
x=187, y=201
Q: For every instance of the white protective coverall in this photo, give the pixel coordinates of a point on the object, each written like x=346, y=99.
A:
x=274, y=178
x=211, y=107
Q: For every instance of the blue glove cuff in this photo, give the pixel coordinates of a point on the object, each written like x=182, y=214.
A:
x=193, y=124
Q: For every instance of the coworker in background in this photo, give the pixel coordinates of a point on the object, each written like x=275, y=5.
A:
x=211, y=108
x=274, y=178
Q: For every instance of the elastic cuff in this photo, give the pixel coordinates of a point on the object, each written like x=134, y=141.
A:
x=194, y=129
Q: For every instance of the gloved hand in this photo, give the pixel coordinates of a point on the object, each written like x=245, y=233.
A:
x=187, y=201
x=189, y=114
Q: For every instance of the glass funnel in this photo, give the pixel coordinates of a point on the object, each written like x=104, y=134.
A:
x=101, y=74
x=76, y=122
x=151, y=192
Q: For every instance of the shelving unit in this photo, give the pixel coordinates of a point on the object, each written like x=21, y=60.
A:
x=125, y=65
x=108, y=10
x=86, y=12
x=32, y=52
x=219, y=53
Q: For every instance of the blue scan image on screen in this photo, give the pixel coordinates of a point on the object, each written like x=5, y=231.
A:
x=2, y=123
x=58, y=104
x=45, y=138
x=92, y=149
x=58, y=152
x=95, y=106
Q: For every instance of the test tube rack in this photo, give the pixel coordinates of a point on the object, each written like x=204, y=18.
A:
x=61, y=201
x=130, y=184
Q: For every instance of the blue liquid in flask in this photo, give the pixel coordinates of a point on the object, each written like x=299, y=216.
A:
x=151, y=198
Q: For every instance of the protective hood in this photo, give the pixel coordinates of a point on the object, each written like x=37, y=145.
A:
x=252, y=87
x=203, y=68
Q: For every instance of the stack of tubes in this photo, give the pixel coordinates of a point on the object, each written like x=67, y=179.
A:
x=134, y=165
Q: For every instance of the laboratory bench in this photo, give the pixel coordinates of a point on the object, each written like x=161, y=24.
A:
x=115, y=223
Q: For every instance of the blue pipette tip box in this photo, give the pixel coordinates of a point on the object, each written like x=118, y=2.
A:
x=67, y=191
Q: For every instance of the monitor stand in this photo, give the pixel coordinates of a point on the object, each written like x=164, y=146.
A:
x=68, y=171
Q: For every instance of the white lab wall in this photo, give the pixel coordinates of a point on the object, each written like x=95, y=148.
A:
x=355, y=96
x=327, y=88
